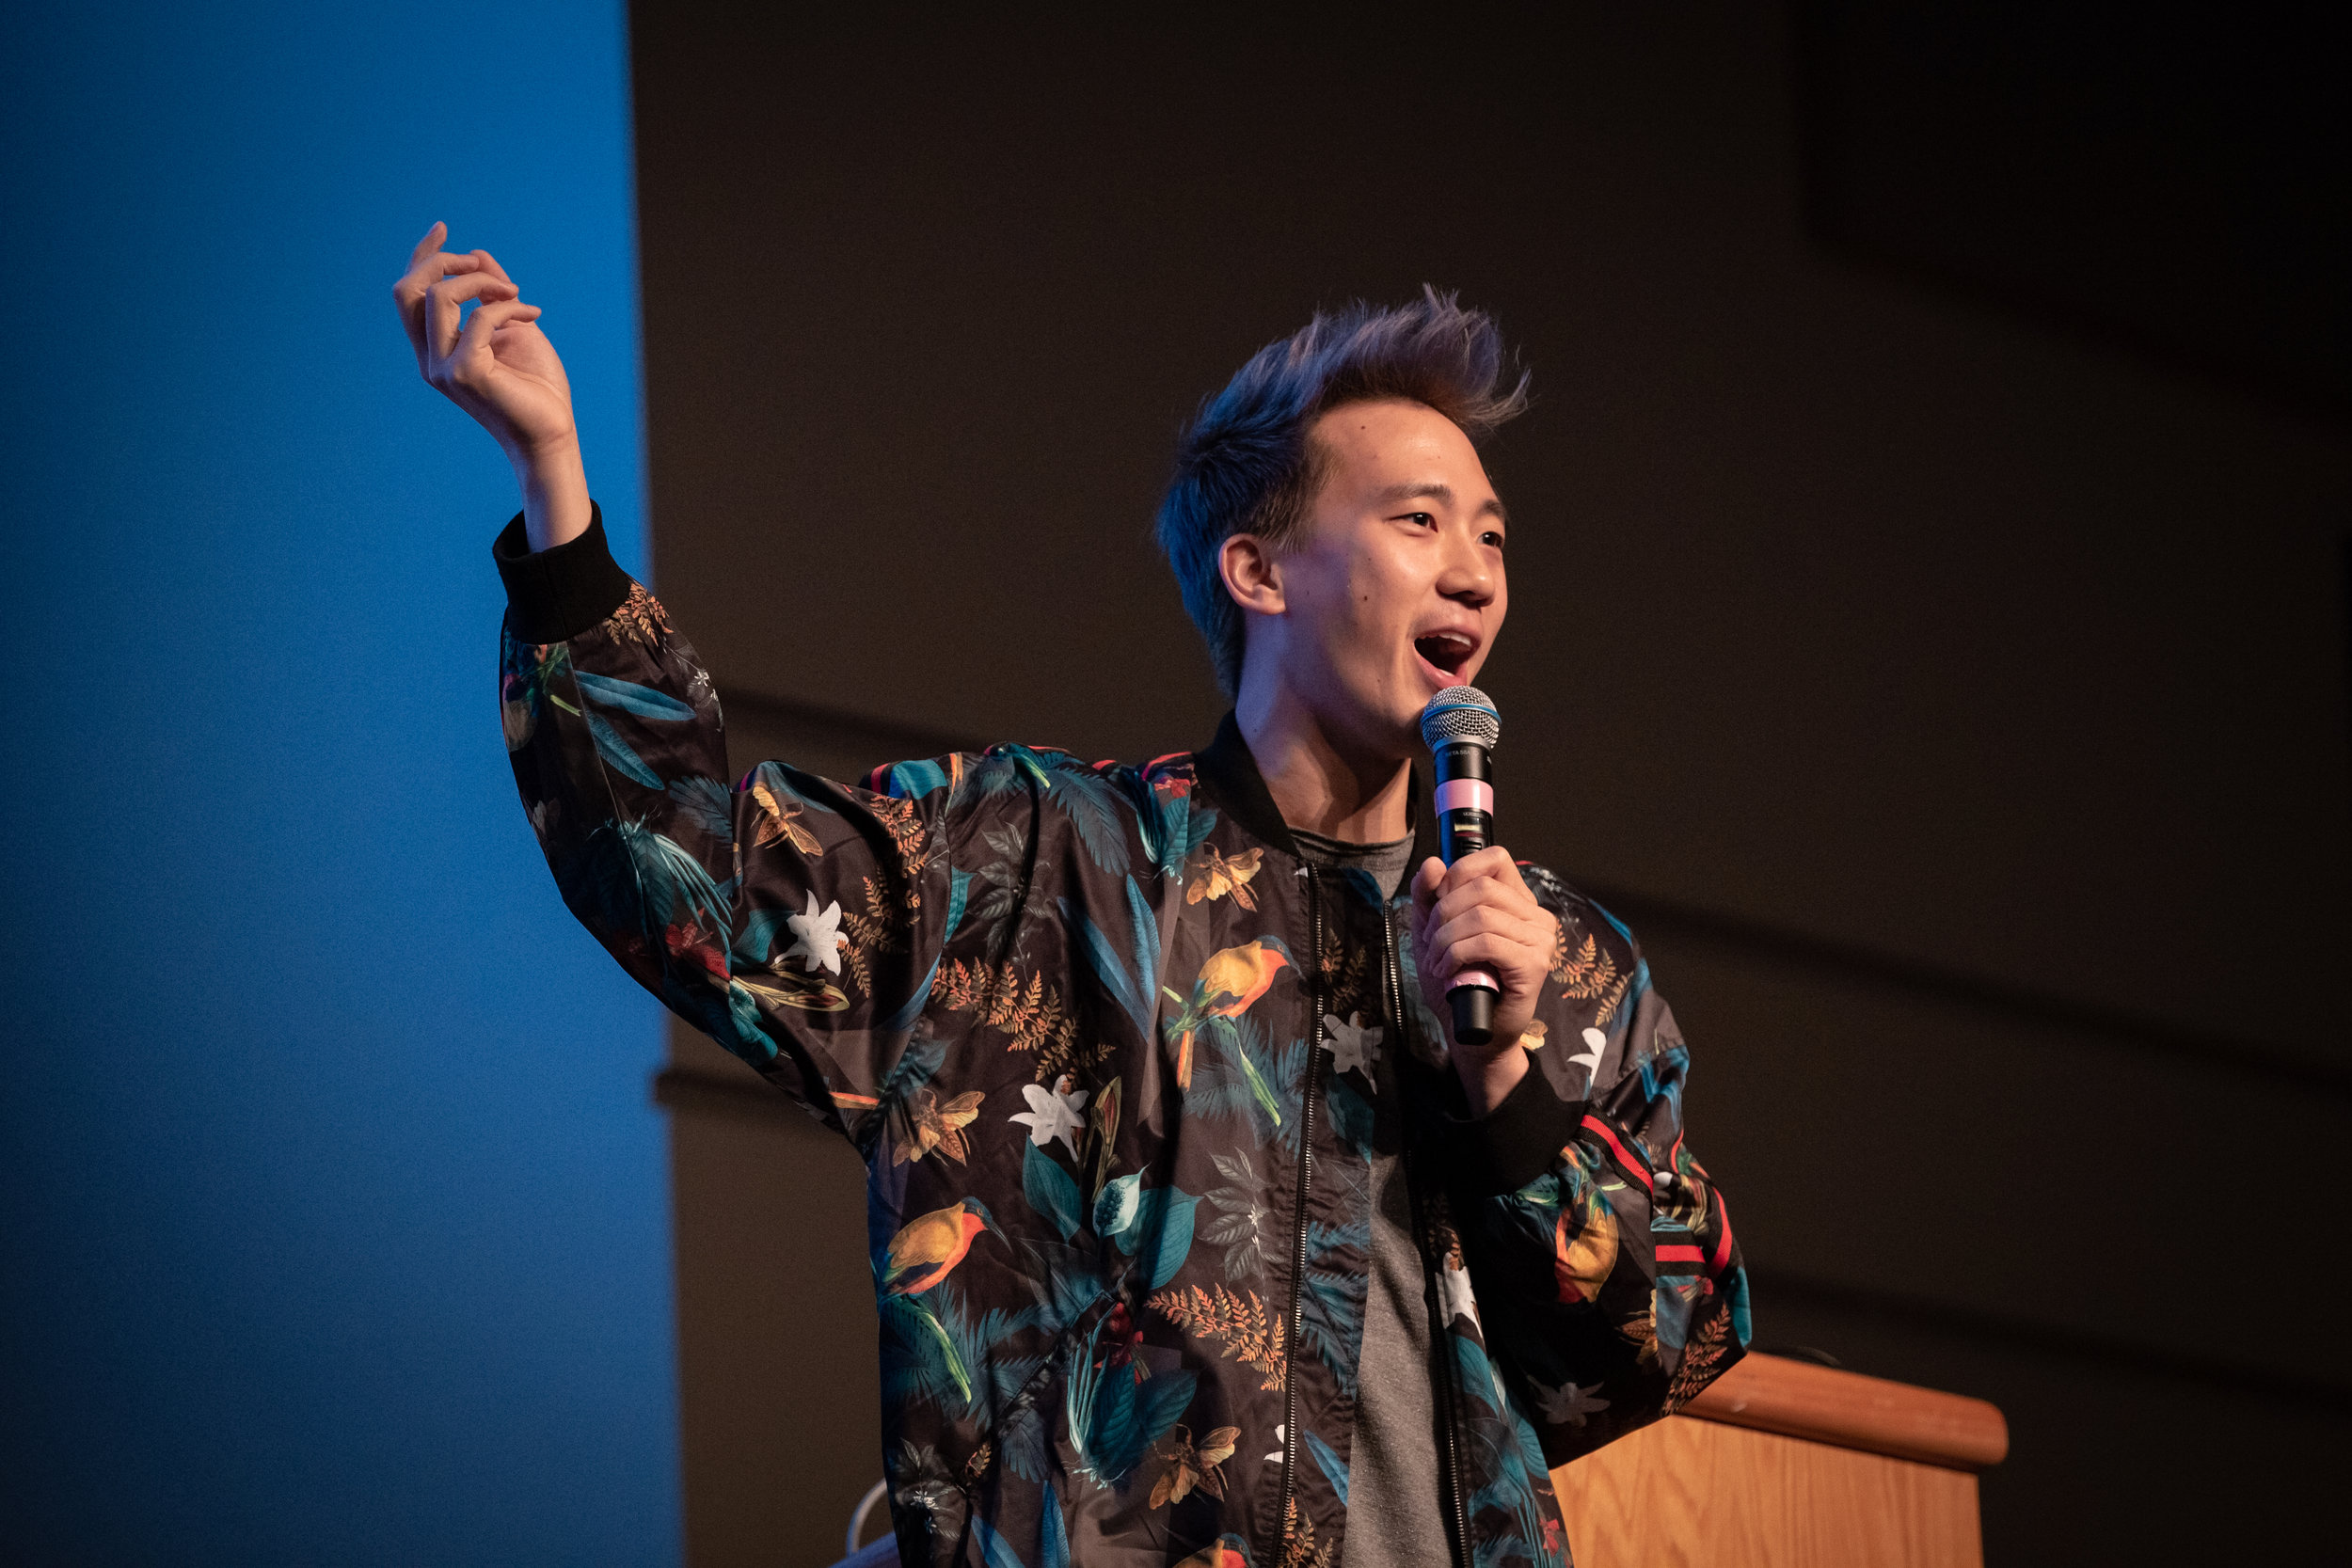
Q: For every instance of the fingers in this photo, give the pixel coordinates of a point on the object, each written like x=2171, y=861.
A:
x=426, y=247
x=1526, y=937
x=1487, y=877
x=474, y=340
x=1441, y=893
x=1493, y=860
x=1483, y=949
x=444, y=304
x=408, y=290
x=427, y=265
x=1481, y=911
x=1425, y=884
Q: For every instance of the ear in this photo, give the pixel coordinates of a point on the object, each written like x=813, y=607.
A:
x=1252, y=573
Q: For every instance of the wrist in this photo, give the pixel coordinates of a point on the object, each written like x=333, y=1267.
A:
x=1488, y=1077
x=555, y=483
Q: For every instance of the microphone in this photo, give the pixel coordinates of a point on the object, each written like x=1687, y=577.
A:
x=1461, y=728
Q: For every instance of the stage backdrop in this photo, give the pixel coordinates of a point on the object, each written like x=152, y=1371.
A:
x=333, y=1207
x=1948, y=688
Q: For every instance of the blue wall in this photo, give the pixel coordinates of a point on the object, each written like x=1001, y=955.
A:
x=335, y=1209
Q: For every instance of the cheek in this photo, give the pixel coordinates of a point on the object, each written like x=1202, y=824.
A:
x=1359, y=610
x=1385, y=600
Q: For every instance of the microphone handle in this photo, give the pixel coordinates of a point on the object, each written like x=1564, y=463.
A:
x=1466, y=821
x=1473, y=1014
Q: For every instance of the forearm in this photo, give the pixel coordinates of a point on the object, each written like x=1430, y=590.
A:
x=618, y=753
x=554, y=483
x=1614, y=1292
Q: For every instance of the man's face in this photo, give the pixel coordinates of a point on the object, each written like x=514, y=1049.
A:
x=1395, y=589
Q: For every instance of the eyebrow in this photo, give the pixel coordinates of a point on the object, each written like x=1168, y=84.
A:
x=1441, y=491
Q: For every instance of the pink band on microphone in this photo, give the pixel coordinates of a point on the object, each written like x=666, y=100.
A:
x=1475, y=794
x=1484, y=979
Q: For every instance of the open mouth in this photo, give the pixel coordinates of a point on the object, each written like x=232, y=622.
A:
x=1446, y=652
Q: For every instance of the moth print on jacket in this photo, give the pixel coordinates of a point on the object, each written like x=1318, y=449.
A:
x=1103, y=1040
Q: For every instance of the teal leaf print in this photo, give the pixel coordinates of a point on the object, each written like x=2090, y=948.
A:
x=1351, y=1115
x=1333, y=1470
x=911, y=780
x=750, y=1040
x=705, y=804
x=617, y=755
x=1155, y=1220
x=634, y=880
x=1092, y=807
x=959, y=895
x=1129, y=981
x=904, y=1015
x=994, y=1549
x=642, y=701
x=952, y=1359
x=758, y=938
x=1171, y=829
x=1113, y=1418
x=1051, y=1191
x=1244, y=1076
x=1053, y=1536
x=1175, y=1236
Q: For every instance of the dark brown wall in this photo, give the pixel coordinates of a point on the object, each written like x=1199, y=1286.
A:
x=1956, y=705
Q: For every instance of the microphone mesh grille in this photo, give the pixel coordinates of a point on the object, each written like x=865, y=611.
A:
x=1460, y=712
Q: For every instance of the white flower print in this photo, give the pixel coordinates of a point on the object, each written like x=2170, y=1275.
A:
x=818, y=933
x=1354, y=1047
x=1567, y=1405
x=1054, y=1113
x=1595, y=1047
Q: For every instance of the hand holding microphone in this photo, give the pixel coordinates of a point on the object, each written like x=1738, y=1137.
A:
x=1479, y=935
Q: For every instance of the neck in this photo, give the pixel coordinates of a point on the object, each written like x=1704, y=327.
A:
x=1318, y=780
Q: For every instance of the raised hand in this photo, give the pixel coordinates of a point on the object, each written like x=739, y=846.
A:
x=1478, y=911
x=498, y=367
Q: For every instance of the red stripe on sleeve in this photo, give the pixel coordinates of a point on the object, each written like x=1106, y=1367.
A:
x=1680, y=1255
x=1723, y=1242
x=1640, y=1170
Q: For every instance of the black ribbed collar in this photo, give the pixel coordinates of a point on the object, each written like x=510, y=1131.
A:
x=1227, y=770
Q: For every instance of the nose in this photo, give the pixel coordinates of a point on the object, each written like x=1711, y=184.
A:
x=1469, y=575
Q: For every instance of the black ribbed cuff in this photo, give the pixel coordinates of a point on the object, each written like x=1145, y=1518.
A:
x=1512, y=1144
x=553, y=596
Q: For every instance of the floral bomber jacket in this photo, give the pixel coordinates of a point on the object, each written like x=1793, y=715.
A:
x=1102, y=1037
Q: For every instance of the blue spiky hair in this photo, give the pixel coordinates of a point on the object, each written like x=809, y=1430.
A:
x=1245, y=464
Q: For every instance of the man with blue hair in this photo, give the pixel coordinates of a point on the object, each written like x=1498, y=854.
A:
x=1198, y=1235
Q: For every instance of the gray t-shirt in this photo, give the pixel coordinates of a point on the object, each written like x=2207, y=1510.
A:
x=1394, y=1517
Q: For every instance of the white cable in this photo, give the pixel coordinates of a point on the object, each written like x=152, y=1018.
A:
x=865, y=1507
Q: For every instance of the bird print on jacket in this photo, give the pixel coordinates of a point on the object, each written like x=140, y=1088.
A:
x=1081, y=1021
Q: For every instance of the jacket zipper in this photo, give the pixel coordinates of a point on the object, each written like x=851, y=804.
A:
x=1306, y=1171
x=1442, y=1373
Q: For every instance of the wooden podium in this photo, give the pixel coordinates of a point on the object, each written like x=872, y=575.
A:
x=1786, y=1464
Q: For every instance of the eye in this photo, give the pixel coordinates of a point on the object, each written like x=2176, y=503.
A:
x=1491, y=537
x=1420, y=519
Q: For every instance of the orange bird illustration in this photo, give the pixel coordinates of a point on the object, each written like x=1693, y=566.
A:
x=1226, y=1551
x=928, y=1247
x=1583, y=1248
x=1228, y=982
